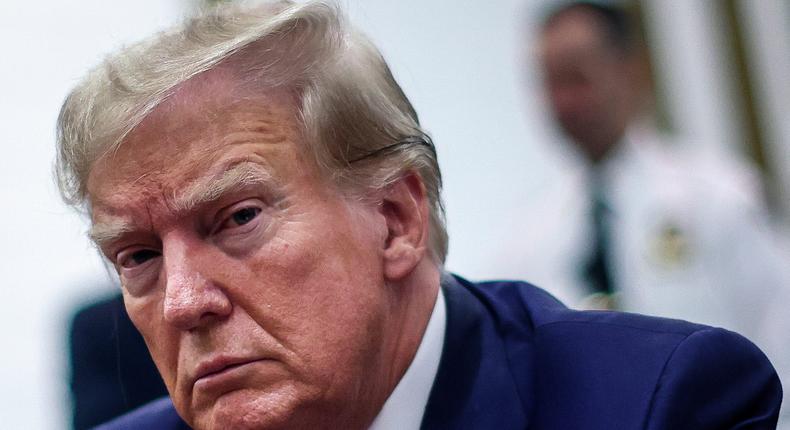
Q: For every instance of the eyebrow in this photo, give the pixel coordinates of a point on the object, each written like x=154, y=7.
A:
x=102, y=233
x=234, y=177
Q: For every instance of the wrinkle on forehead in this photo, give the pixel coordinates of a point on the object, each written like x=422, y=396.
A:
x=190, y=138
x=165, y=159
x=198, y=104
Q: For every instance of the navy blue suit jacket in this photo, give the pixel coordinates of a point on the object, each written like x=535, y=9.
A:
x=111, y=369
x=516, y=358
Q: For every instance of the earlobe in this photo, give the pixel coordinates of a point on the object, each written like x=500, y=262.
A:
x=405, y=209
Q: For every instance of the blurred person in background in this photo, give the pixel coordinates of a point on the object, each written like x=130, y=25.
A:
x=664, y=230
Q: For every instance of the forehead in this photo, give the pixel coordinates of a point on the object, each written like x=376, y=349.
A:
x=203, y=125
x=573, y=32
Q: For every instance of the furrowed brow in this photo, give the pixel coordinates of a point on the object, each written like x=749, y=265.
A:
x=209, y=189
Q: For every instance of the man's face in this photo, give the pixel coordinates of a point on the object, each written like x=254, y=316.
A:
x=257, y=286
x=586, y=81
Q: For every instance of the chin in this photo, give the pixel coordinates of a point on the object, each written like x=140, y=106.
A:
x=252, y=409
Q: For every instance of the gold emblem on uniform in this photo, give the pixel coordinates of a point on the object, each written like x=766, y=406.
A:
x=671, y=248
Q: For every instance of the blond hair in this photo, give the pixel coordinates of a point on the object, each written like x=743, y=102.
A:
x=358, y=124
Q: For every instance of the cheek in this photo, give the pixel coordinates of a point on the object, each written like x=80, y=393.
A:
x=319, y=293
x=314, y=257
x=296, y=284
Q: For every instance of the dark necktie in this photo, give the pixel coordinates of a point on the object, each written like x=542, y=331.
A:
x=597, y=270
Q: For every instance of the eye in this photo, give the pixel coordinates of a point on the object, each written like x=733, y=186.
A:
x=243, y=216
x=134, y=258
x=239, y=218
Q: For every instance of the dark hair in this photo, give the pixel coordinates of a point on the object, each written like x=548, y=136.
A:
x=616, y=21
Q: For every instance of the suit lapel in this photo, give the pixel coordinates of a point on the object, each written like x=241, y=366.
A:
x=474, y=386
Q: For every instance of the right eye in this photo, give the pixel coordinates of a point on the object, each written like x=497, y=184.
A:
x=136, y=257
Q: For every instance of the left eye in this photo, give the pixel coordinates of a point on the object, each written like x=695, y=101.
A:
x=243, y=216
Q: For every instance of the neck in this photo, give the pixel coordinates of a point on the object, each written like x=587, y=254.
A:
x=412, y=316
x=413, y=301
x=596, y=150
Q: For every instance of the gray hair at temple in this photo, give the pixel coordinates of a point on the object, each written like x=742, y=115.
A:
x=356, y=120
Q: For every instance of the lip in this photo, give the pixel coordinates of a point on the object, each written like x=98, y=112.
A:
x=219, y=365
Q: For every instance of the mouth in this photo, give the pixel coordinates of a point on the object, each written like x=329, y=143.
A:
x=218, y=366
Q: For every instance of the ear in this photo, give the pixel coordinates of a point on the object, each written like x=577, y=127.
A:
x=405, y=210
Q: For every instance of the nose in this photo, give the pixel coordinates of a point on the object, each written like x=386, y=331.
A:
x=192, y=298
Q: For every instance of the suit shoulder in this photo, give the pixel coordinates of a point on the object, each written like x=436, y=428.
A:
x=621, y=370
x=157, y=415
x=520, y=303
x=554, y=327
x=517, y=302
x=716, y=379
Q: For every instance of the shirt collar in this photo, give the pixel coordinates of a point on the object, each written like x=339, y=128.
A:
x=405, y=407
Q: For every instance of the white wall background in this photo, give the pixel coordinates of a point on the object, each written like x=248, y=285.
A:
x=459, y=61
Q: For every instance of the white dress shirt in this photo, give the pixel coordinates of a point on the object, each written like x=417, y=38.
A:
x=405, y=407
